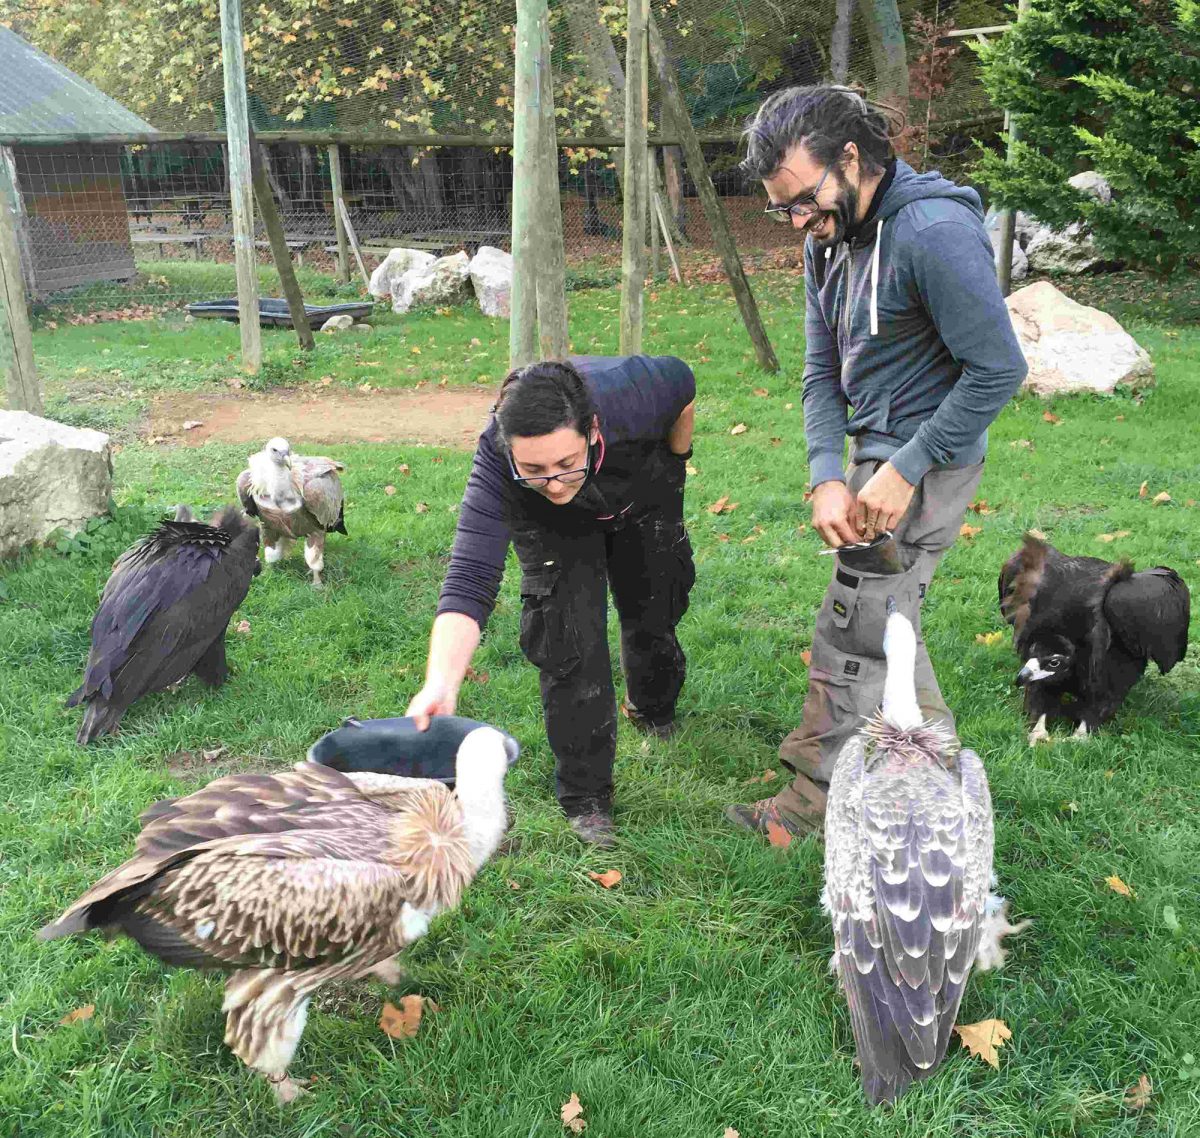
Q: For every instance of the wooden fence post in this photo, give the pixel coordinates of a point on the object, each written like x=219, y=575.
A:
x=241, y=191
x=1008, y=217
x=633, y=229
x=24, y=392
x=677, y=108
x=553, y=329
x=335, y=181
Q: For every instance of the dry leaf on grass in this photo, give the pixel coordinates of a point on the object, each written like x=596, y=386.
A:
x=969, y=531
x=761, y=392
x=1051, y=417
x=987, y=639
x=722, y=505
x=242, y=626
x=740, y=429
x=778, y=836
x=1118, y=886
x=213, y=755
x=690, y=469
x=608, y=878
x=78, y=1015
x=477, y=677
x=514, y=886
x=572, y=1115
x=766, y=776
x=389, y=490
x=415, y=350
x=722, y=537
x=1112, y=536
x=806, y=657
x=192, y=424
x=403, y=468
x=1160, y=499
x=404, y=1021
x=1138, y=1096
x=1021, y=444
x=982, y=1039
x=421, y=508
x=1142, y=489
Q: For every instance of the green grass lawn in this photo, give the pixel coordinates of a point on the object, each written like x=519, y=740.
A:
x=695, y=995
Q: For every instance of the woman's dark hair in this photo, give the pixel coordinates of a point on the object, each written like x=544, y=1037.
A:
x=541, y=398
x=824, y=118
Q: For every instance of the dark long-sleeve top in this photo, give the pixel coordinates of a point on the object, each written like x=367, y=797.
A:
x=638, y=399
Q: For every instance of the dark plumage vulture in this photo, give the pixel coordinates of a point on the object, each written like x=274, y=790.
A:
x=908, y=864
x=293, y=497
x=1085, y=629
x=163, y=614
x=290, y=880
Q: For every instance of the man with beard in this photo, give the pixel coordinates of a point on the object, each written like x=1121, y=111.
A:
x=909, y=353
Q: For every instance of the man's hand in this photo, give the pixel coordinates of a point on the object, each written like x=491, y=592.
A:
x=833, y=514
x=432, y=699
x=882, y=502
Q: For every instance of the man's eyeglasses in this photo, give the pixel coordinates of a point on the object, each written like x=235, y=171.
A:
x=539, y=481
x=803, y=206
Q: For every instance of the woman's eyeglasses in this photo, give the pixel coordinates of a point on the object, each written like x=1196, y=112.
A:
x=539, y=481
x=804, y=206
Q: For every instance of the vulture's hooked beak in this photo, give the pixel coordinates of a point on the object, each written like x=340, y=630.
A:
x=287, y=460
x=890, y=606
x=1024, y=676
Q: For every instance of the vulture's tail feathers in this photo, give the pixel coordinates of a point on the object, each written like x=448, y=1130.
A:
x=340, y=525
x=101, y=718
x=73, y=922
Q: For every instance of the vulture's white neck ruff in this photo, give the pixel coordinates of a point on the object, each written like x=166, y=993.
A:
x=900, y=705
x=480, y=768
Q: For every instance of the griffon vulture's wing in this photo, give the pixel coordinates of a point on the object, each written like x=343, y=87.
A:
x=1149, y=614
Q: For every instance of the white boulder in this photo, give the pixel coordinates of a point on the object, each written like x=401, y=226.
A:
x=491, y=277
x=442, y=283
x=1020, y=263
x=338, y=323
x=51, y=476
x=1070, y=250
x=1093, y=184
x=389, y=271
x=1070, y=347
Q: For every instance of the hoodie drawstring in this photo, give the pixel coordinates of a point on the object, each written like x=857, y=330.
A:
x=875, y=278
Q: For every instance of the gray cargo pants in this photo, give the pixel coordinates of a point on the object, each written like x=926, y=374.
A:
x=845, y=678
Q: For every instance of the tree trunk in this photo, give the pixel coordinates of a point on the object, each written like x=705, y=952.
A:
x=839, y=46
x=888, y=52
x=673, y=176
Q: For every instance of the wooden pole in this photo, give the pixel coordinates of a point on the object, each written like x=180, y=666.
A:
x=633, y=228
x=23, y=391
x=527, y=181
x=241, y=192
x=280, y=252
x=335, y=181
x=1008, y=218
x=655, y=252
x=666, y=232
x=553, y=333
x=677, y=109
x=348, y=225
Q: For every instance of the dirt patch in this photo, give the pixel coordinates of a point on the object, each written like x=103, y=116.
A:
x=445, y=417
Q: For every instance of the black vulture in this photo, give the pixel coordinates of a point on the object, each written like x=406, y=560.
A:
x=163, y=614
x=289, y=880
x=908, y=868
x=1084, y=630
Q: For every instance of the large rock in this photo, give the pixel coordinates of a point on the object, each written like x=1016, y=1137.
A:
x=1070, y=250
x=1071, y=347
x=51, y=476
x=1020, y=263
x=1093, y=184
x=338, y=323
x=389, y=271
x=442, y=283
x=491, y=277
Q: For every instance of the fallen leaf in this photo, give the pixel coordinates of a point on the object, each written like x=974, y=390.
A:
x=572, y=1115
x=766, y=776
x=1112, y=536
x=1120, y=419
x=1138, y=1096
x=608, y=878
x=725, y=537
x=761, y=392
x=403, y=1022
x=421, y=508
x=192, y=424
x=1159, y=499
x=987, y=639
x=691, y=470
x=234, y=383
x=776, y=441
x=1142, y=489
x=982, y=1039
x=213, y=755
x=78, y=1015
x=389, y=490
x=788, y=406
x=365, y=388
x=477, y=677
x=476, y=342
x=968, y=531
x=740, y=429
x=806, y=657
x=1051, y=417
x=981, y=507
x=415, y=350
x=1021, y=444
x=808, y=495
x=512, y=884
x=326, y=380
x=722, y=505
x=1118, y=886
x=243, y=626
x=778, y=836
x=404, y=468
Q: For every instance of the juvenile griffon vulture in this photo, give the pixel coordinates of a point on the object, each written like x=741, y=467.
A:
x=1084, y=630
x=908, y=862
x=293, y=879
x=293, y=497
x=163, y=614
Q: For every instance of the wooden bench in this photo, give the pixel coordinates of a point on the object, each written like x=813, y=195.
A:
x=295, y=245
x=432, y=241
x=195, y=240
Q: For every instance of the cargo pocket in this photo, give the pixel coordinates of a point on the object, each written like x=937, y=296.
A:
x=683, y=577
x=843, y=688
x=548, y=636
x=858, y=606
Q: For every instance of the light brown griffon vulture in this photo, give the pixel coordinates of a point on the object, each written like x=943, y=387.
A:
x=290, y=880
x=293, y=497
x=908, y=866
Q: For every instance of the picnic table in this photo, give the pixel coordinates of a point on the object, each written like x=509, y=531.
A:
x=195, y=240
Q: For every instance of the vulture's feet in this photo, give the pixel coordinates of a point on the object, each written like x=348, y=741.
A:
x=1081, y=732
x=996, y=927
x=317, y=583
x=1039, y=734
x=285, y=1089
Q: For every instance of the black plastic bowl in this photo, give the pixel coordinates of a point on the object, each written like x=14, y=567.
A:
x=276, y=313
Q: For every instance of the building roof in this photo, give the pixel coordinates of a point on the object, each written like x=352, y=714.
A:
x=41, y=97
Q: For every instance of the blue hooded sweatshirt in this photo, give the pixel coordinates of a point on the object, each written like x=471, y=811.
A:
x=910, y=348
